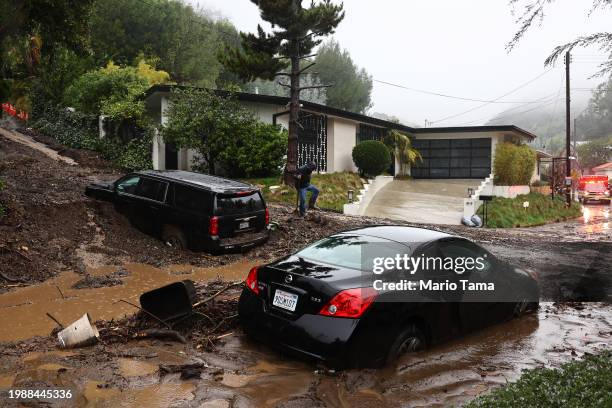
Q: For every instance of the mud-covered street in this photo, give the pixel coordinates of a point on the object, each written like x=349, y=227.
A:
x=64, y=254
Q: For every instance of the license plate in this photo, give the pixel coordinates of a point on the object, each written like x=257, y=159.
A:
x=243, y=225
x=285, y=300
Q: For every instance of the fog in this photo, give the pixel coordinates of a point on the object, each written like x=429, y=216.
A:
x=455, y=48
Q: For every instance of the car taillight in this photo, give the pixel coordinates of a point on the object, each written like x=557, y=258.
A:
x=350, y=303
x=267, y=217
x=251, y=280
x=213, y=227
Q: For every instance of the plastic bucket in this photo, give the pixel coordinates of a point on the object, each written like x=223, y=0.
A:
x=170, y=302
x=80, y=333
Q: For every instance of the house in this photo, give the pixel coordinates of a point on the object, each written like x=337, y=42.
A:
x=328, y=135
x=603, y=170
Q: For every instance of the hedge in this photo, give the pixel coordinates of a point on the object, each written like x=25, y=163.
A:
x=371, y=157
x=513, y=164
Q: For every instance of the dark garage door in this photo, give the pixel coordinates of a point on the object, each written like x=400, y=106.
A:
x=453, y=158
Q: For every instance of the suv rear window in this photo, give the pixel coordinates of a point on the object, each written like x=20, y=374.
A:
x=232, y=205
x=192, y=199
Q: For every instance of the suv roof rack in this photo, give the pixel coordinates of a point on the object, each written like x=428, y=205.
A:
x=206, y=181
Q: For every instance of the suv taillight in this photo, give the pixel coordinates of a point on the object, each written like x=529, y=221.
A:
x=213, y=226
x=251, y=280
x=267, y=216
x=350, y=303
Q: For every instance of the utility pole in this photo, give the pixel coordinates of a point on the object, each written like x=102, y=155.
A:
x=568, y=131
x=575, y=135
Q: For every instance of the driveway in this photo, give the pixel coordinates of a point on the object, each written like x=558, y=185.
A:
x=423, y=201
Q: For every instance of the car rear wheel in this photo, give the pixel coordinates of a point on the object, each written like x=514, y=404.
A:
x=409, y=340
x=174, y=237
x=524, y=307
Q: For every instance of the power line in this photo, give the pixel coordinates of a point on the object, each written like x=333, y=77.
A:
x=496, y=99
x=448, y=96
x=546, y=100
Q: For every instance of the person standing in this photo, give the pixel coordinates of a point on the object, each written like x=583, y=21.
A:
x=303, y=175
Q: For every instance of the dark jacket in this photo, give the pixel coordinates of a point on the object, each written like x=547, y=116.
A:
x=306, y=172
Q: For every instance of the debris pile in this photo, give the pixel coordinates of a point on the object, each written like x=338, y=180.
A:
x=212, y=318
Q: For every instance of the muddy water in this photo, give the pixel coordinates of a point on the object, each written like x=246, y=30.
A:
x=447, y=374
x=23, y=310
x=595, y=219
x=246, y=374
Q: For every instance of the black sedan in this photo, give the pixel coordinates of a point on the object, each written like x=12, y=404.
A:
x=328, y=303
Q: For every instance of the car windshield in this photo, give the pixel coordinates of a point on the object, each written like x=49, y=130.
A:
x=352, y=251
x=232, y=205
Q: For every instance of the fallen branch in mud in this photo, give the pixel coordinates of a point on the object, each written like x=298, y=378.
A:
x=161, y=334
x=60, y=292
x=146, y=312
x=231, y=285
x=9, y=279
x=223, y=321
x=55, y=320
x=24, y=256
x=203, y=330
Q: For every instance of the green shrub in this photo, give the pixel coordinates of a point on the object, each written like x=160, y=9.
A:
x=510, y=213
x=136, y=154
x=371, y=157
x=113, y=91
x=72, y=129
x=261, y=152
x=79, y=131
x=513, y=164
x=225, y=134
x=586, y=383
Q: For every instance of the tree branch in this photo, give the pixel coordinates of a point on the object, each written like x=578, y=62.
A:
x=283, y=84
x=306, y=67
x=603, y=39
x=308, y=56
x=316, y=86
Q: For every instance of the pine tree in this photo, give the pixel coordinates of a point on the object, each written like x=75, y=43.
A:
x=295, y=32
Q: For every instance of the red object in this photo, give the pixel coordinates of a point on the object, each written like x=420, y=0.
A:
x=351, y=303
x=251, y=280
x=267, y=216
x=243, y=193
x=213, y=227
x=592, y=181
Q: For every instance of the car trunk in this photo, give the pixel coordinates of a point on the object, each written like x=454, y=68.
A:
x=240, y=213
x=314, y=284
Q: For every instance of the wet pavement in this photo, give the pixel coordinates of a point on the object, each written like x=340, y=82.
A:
x=422, y=201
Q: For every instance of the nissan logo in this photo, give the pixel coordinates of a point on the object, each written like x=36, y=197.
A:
x=288, y=278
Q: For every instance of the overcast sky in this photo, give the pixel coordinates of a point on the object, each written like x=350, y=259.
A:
x=453, y=47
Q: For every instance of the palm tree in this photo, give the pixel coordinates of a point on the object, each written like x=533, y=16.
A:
x=399, y=144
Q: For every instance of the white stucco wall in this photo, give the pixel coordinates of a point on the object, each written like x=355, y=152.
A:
x=344, y=135
x=159, y=147
x=265, y=112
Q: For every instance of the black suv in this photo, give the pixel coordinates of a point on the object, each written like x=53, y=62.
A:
x=190, y=210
